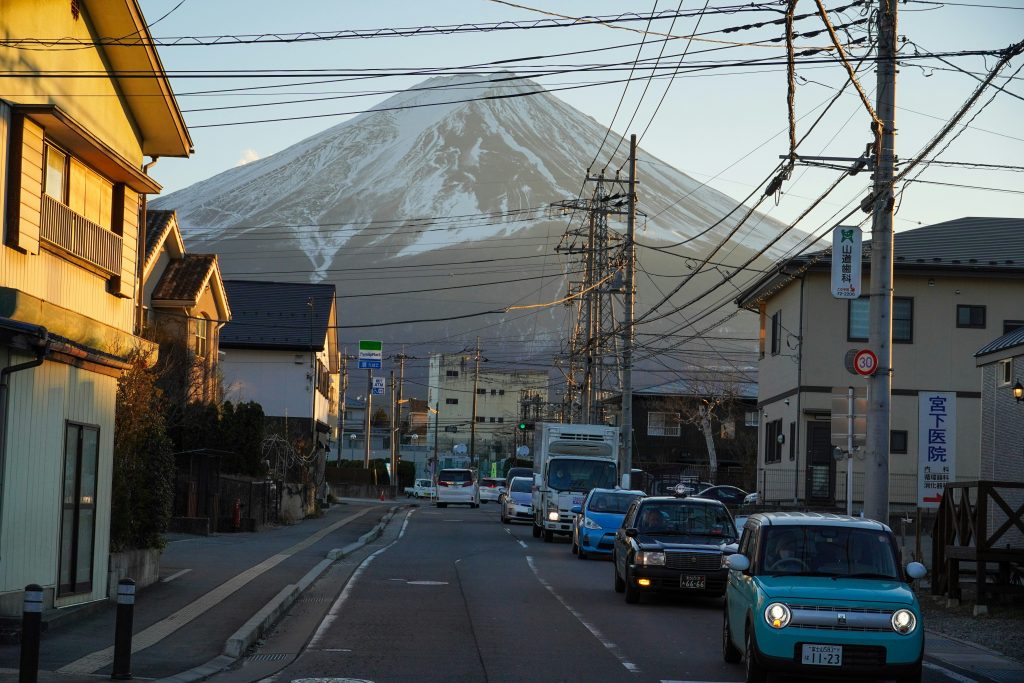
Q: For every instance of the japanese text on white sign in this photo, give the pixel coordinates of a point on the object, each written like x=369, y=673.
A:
x=936, y=446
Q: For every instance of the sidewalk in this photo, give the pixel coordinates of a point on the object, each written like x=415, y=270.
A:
x=210, y=589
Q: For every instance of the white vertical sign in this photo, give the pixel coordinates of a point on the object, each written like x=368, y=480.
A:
x=936, y=445
x=846, y=257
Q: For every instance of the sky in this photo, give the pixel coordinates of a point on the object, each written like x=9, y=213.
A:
x=726, y=126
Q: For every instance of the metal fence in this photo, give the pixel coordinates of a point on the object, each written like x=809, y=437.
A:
x=258, y=502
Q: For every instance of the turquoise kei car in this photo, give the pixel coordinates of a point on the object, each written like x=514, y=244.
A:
x=593, y=529
x=822, y=596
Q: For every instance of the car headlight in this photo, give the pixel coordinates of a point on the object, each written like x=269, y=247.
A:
x=777, y=615
x=553, y=515
x=650, y=557
x=903, y=621
x=588, y=523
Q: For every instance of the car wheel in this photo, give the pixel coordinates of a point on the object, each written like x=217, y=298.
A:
x=581, y=553
x=575, y=548
x=536, y=530
x=632, y=592
x=730, y=653
x=620, y=585
x=754, y=672
x=549, y=535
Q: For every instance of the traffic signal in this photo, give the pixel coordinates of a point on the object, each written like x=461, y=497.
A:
x=522, y=426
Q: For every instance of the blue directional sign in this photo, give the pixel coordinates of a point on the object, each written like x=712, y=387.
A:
x=370, y=365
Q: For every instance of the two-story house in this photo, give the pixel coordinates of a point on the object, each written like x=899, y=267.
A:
x=956, y=286
x=186, y=307
x=73, y=183
x=281, y=351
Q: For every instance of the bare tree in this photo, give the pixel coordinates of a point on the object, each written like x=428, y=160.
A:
x=710, y=401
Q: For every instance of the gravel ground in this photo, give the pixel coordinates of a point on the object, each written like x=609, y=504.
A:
x=999, y=630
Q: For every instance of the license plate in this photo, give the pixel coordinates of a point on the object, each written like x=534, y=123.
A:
x=691, y=581
x=822, y=655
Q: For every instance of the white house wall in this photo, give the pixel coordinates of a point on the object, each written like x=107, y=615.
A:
x=277, y=380
x=43, y=399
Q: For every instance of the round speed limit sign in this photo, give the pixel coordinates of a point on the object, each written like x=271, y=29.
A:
x=865, y=362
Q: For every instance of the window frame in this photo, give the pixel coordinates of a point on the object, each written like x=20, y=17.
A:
x=664, y=427
x=73, y=547
x=776, y=345
x=895, y=340
x=451, y=401
x=899, y=340
x=970, y=309
x=201, y=347
x=895, y=434
x=1004, y=372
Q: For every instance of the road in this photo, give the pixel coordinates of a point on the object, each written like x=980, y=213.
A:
x=458, y=596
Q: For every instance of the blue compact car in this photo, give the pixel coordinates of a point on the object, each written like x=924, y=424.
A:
x=593, y=529
x=821, y=596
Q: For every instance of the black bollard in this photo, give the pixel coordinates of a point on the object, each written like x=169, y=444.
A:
x=31, y=619
x=122, y=670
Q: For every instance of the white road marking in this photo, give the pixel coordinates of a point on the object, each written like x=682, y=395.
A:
x=427, y=583
x=334, y=612
x=608, y=645
x=959, y=678
x=687, y=681
x=154, y=634
x=523, y=543
x=175, y=575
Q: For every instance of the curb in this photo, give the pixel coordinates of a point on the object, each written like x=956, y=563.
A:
x=250, y=632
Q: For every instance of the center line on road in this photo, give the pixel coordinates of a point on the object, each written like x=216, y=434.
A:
x=608, y=645
x=523, y=543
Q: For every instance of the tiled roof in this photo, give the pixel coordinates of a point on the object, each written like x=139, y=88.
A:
x=158, y=223
x=1007, y=341
x=276, y=315
x=184, y=278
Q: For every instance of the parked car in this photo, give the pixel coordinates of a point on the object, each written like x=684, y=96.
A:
x=602, y=512
x=730, y=495
x=491, y=489
x=457, y=486
x=822, y=596
x=424, y=488
x=673, y=544
x=752, y=498
x=517, y=504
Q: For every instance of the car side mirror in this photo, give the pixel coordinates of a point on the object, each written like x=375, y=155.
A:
x=576, y=509
x=916, y=570
x=738, y=562
x=631, y=532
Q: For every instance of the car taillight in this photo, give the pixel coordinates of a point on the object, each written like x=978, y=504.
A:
x=442, y=483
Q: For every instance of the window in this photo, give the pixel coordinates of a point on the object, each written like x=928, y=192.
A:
x=772, y=447
x=776, y=332
x=750, y=418
x=494, y=392
x=728, y=429
x=481, y=419
x=493, y=419
x=78, y=508
x=451, y=401
x=1011, y=325
x=501, y=419
x=970, y=316
x=78, y=187
x=451, y=373
x=501, y=392
x=202, y=336
x=662, y=424
x=1004, y=372
x=857, y=322
x=481, y=392
x=898, y=441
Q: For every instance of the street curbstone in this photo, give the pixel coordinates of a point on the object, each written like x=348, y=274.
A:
x=251, y=630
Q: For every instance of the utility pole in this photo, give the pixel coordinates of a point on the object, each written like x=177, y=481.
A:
x=394, y=449
x=369, y=407
x=472, y=421
x=627, y=323
x=344, y=399
x=876, y=479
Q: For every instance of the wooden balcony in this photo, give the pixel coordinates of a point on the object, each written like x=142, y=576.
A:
x=78, y=236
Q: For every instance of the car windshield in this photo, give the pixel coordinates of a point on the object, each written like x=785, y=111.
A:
x=611, y=502
x=423, y=482
x=458, y=476
x=580, y=475
x=522, y=485
x=701, y=522
x=829, y=551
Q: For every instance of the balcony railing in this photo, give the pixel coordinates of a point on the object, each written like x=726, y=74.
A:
x=79, y=236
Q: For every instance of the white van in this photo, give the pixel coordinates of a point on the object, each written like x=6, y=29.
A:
x=457, y=486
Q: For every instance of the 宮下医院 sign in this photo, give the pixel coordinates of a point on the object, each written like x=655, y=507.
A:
x=936, y=445
x=846, y=261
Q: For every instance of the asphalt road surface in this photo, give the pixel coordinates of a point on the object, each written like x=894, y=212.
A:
x=454, y=595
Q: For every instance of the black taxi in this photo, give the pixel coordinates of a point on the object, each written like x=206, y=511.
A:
x=673, y=544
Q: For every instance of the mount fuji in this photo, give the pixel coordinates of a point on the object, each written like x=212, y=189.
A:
x=435, y=203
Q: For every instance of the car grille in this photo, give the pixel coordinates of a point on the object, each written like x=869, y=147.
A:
x=829, y=618
x=693, y=561
x=854, y=655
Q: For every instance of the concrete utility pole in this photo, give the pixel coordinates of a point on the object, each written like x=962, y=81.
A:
x=344, y=399
x=369, y=406
x=394, y=448
x=472, y=420
x=629, y=250
x=876, y=464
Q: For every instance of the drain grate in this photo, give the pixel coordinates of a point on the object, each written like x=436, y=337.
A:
x=315, y=598
x=266, y=657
